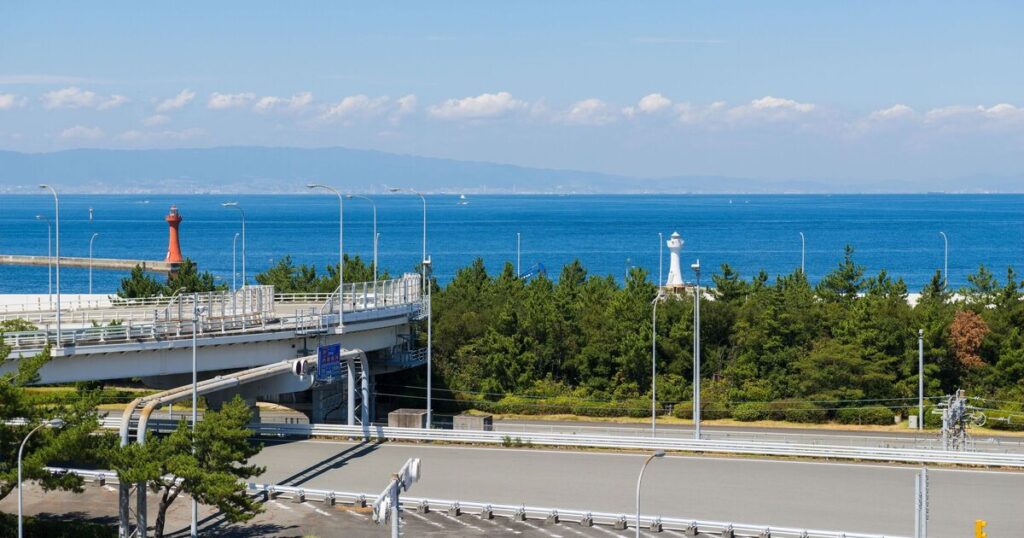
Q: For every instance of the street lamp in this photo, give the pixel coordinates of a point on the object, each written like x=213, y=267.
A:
x=56, y=211
x=91, y=239
x=920, y=379
x=49, y=261
x=341, y=249
x=657, y=454
x=696, y=352
x=374, y=205
x=945, y=261
x=424, y=266
x=234, y=205
x=654, y=363
x=197, y=311
x=803, y=251
x=234, y=272
x=54, y=423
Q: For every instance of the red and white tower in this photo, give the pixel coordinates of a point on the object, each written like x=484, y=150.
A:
x=173, y=249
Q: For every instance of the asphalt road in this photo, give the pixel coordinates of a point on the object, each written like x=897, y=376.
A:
x=843, y=497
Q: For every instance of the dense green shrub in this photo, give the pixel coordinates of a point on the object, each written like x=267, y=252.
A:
x=750, y=411
x=865, y=415
x=796, y=411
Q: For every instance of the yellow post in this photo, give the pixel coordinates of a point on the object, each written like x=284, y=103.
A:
x=979, y=528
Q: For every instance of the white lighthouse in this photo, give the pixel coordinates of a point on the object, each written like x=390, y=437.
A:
x=675, y=274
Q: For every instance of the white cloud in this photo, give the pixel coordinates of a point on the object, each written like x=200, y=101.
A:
x=113, y=102
x=149, y=136
x=70, y=97
x=405, y=106
x=157, y=119
x=295, y=102
x=487, y=105
x=355, y=106
x=894, y=112
x=1003, y=112
x=8, y=101
x=221, y=101
x=770, y=108
x=82, y=132
x=653, y=103
x=589, y=112
x=174, y=103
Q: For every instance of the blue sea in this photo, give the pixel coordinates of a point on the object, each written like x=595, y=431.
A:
x=899, y=233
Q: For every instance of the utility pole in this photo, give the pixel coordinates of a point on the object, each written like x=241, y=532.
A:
x=696, y=352
x=921, y=504
x=920, y=379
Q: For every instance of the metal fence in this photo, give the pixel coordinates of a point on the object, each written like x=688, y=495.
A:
x=522, y=511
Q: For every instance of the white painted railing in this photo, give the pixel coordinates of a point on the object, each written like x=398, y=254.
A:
x=522, y=511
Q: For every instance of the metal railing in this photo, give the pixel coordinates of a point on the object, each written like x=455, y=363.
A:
x=248, y=309
x=521, y=511
x=773, y=449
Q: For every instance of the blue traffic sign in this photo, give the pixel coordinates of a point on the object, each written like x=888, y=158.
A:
x=328, y=362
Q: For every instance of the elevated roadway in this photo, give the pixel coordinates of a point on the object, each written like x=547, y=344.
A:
x=848, y=497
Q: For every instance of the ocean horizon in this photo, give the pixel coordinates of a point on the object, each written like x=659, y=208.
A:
x=607, y=233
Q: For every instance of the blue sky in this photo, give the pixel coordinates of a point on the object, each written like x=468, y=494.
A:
x=838, y=91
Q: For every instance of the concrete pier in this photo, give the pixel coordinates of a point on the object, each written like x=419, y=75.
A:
x=97, y=263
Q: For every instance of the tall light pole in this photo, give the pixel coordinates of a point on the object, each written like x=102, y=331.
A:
x=519, y=270
x=424, y=265
x=654, y=364
x=56, y=211
x=196, y=312
x=661, y=258
x=234, y=272
x=657, y=454
x=920, y=379
x=341, y=249
x=91, y=239
x=49, y=261
x=945, y=261
x=803, y=252
x=55, y=423
x=374, y=205
x=234, y=205
x=696, y=352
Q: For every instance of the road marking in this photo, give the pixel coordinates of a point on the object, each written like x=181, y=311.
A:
x=315, y=509
x=566, y=527
x=279, y=505
x=110, y=488
x=496, y=524
x=354, y=514
x=423, y=518
x=541, y=529
x=604, y=530
x=461, y=522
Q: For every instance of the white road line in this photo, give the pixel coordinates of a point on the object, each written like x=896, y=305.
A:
x=110, y=488
x=541, y=529
x=566, y=527
x=355, y=514
x=279, y=505
x=422, y=518
x=461, y=522
x=604, y=530
x=496, y=524
x=315, y=509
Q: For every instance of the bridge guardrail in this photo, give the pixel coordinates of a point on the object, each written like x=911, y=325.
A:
x=521, y=510
x=248, y=309
x=757, y=448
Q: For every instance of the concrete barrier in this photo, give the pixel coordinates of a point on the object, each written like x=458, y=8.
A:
x=407, y=418
x=473, y=422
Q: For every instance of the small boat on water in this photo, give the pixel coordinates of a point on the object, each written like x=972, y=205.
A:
x=462, y=200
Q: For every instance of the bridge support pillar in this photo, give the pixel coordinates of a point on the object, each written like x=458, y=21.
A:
x=350, y=395
x=364, y=387
x=142, y=527
x=123, y=509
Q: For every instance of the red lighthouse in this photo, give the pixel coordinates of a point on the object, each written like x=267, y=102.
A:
x=173, y=249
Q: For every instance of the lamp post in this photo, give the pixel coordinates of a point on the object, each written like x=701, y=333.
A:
x=661, y=258
x=234, y=205
x=55, y=423
x=56, y=211
x=197, y=311
x=341, y=248
x=654, y=364
x=49, y=261
x=519, y=270
x=234, y=272
x=803, y=251
x=696, y=352
x=945, y=261
x=657, y=454
x=920, y=379
x=424, y=265
x=91, y=239
x=374, y=205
